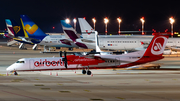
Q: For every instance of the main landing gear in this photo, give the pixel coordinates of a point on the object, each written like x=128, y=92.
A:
x=15, y=73
x=157, y=67
x=88, y=71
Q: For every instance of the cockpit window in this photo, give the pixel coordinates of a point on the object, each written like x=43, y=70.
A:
x=20, y=62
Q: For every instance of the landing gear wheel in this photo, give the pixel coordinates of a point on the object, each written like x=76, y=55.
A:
x=88, y=72
x=157, y=67
x=83, y=71
x=15, y=73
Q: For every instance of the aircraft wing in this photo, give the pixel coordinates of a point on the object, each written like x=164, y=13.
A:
x=88, y=41
x=23, y=41
x=145, y=66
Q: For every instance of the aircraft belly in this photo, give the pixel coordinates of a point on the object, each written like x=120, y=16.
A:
x=54, y=44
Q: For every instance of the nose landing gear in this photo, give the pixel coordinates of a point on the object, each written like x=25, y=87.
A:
x=15, y=73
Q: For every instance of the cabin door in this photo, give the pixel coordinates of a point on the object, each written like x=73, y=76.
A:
x=117, y=61
x=31, y=64
x=174, y=43
x=101, y=42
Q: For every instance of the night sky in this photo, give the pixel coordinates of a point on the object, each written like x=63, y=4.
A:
x=48, y=13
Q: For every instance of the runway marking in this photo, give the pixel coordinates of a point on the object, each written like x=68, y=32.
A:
x=60, y=84
x=146, y=80
x=64, y=91
x=38, y=85
x=45, y=88
x=124, y=83
x=120, y=98
x=17, y=80
x=85, y=82
x=174, y=79
x=23, y=95
x=87, y=90
x=5, y=74
x=155, y=82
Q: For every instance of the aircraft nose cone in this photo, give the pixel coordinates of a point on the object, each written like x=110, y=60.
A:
x=10, y=68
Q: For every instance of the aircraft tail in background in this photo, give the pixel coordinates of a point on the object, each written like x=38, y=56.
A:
x=15, y=28
x=31, y=29
x=9, y=28
x=70, y=32
x=86, y=30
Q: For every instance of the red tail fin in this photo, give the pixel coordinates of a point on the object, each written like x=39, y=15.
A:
x=157, y=45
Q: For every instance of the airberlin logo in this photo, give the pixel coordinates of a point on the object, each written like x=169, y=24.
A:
x=48, y=63
x=158, y=45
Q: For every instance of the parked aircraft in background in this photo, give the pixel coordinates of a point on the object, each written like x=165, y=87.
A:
x=123, y=42
x=16, y=33
x=37, y=36
x=152, y=53
x=70, y=32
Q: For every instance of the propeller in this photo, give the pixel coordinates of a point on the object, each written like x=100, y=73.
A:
x=60, y=53
x=64, y=59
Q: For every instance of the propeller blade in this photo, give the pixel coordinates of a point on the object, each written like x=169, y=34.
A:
x=65, y=59
x=60, y=53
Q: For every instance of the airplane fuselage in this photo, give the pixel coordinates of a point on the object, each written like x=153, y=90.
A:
x=57, y=41
x=131, y=42
x=56, y=63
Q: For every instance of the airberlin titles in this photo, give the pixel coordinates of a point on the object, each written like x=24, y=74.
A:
x=48, y=63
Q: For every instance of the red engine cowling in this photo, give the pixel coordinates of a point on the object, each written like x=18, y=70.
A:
x=83, y=60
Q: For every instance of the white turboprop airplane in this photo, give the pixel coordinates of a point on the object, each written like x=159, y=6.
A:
x=122, y=42
x=152, y=53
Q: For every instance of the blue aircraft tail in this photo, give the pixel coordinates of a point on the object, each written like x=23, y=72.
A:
x=31, y=30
